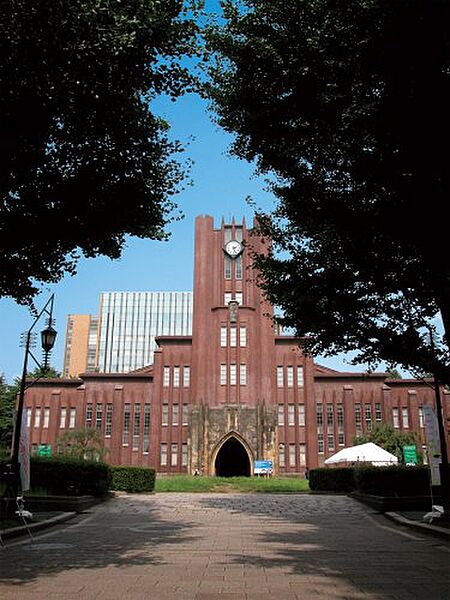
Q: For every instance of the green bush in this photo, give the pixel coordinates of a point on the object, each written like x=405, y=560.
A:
x=332, y=480
x=69, y=477
x=393, y=481
x=132, y=479
x=378, y=481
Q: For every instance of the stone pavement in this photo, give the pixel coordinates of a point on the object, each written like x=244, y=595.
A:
x=227, y=547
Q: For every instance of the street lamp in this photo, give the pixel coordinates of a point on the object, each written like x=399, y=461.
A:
x=48, y=336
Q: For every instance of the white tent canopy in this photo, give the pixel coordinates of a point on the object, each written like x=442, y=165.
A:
x=367, y=453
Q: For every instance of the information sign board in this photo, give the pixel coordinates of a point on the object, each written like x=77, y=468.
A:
x=263, y=467
x=410, y=455
x=44, y=450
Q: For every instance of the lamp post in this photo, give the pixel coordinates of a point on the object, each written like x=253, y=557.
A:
x=48, y=336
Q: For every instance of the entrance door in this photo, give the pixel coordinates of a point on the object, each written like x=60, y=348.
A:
x=232, y=460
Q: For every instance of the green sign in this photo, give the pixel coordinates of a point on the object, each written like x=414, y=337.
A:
x=44, y=450
x=410, y=455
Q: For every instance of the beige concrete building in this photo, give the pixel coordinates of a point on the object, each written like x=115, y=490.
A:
x=80, y=352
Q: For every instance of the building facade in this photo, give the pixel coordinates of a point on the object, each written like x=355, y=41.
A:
x=122, y=337
x=231, y=392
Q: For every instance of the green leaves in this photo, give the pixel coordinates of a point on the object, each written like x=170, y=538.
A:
x=83, y=161
x=340, y=103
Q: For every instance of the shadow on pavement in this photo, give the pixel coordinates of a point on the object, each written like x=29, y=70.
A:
x=124, y=532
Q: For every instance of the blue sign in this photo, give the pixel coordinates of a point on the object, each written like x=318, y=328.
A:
x=263, y=467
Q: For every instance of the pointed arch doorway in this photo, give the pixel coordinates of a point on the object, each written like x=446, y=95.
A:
x=232, y=459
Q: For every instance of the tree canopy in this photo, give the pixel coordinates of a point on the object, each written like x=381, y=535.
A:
x=348, y=105
x=392, y=440
x=83, y=160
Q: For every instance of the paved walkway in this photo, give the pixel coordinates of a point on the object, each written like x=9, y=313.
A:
x=228, y=547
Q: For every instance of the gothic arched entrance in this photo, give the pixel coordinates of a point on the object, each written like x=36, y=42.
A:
x=232, y=459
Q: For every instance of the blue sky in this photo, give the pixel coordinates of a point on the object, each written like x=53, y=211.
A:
x=220, y=185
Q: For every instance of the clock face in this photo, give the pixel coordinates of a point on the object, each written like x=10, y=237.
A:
x=233, y=248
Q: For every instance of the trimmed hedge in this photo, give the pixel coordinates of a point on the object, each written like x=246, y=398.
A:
x=378, y=481
x=393, y=481
x=61, y=476
x=69, y=477
x=332, y=480
x=132, y=479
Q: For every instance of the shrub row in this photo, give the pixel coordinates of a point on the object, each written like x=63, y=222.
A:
x=132, y=479
x=70, y=477
x=378, y=481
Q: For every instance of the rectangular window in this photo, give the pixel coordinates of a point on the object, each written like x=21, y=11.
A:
x=238, y=266
x=319, y=415
x=72, y=418
x=395, y=418
x=233, y=336
x=164, y=455
x=378, y=413
x=292, y=458
x=301, y=415
x=62, y=417
x=243, y=374
x=291, y=414
x=358, y=419
x=280, y=377
x=174, y=455
x=184, y=455
x=185, y=415
x=330, y=416
x=281, y=456
x=175, y=414
x=146, y=441
x=302, y=456
x=232, y=374
x=330, y=441
x=242, y=337
x=166, y=379
x=88, y=416
x=126, y=425
x=108, y=424
x=136, y=426
x=368, y=413
x=223, y=374
x=29, y=417
x=405, y=418
x=340, y=419
x=165, y=414
x=186, y=376
x=300, y=376
x=290, y=376
x=238, y=298
x=421, y=419
x=227, y=298
x=320, y=446
x=176, y=377
x=98, y=416
x=223, y=337
x=46, y=417
x=227, y=267
x=281, y=414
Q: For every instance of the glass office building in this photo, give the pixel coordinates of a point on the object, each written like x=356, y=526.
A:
x=130, y=321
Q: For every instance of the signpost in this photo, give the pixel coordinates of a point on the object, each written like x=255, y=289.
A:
x=410, y=455
x=433, y=443
x=263, y=467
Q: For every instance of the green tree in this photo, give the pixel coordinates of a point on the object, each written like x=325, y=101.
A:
x=83, y=444
x=8, y=399
x=390, y=439
x=348, y=105
x=83, y=160
x=8, y=395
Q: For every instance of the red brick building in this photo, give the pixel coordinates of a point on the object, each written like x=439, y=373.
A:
x=233, y=392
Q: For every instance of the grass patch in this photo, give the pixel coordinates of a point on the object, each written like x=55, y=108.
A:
x=189, y=483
